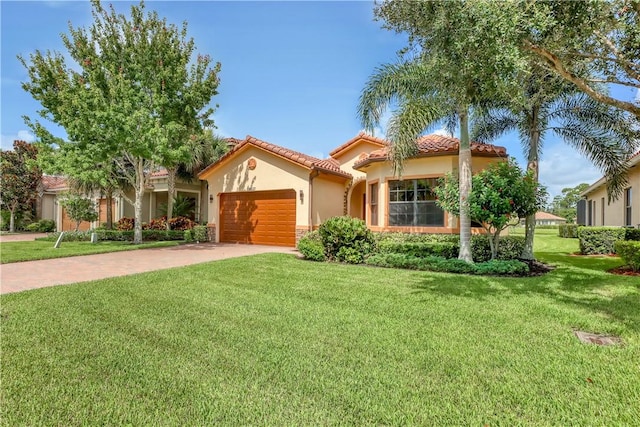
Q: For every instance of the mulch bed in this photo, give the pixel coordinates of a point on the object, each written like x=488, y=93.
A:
x=624, y=271
x=537, y=268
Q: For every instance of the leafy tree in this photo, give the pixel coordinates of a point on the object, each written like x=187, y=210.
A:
x=501, y=195
x=79, y=208
x=136, y=97
x=204, y=149
x=20, y=179
x=565, y=204
x=452, y=71
x=547, y=105
x=586, y=43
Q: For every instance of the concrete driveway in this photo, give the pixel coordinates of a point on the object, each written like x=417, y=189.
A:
x=21, y=276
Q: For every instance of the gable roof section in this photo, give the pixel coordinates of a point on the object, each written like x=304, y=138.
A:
x=330, y=165
x=353, y=141
x=54, y=182
x=547, y=215
x=436, y=145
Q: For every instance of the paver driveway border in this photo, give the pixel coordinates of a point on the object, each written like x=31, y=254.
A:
x=22, y=276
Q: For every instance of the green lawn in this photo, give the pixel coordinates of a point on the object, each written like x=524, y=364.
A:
x=38, y=249
x=273, y=340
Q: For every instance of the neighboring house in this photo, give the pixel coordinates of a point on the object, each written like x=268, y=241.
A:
x=263, y=193
x=624, y=212
x=545, y=218
x=156, y=194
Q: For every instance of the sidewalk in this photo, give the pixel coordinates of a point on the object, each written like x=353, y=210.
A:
x=21, y=276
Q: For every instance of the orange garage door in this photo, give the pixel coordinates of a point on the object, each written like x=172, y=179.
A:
x=259, y=217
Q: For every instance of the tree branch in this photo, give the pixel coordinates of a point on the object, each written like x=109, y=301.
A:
x=557, y=65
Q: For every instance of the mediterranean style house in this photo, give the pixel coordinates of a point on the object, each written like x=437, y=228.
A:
x=624, y=212
x=155, y=196
x=263, y=193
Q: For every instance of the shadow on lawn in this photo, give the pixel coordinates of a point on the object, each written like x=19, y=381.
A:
x=578, y=281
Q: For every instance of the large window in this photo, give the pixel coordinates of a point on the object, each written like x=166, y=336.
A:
x=627, y=207
x=412, y=203
x=373, y=203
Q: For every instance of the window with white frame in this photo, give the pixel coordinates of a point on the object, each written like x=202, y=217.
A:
x=373, y=203
x=412, y=203
x=627, y=206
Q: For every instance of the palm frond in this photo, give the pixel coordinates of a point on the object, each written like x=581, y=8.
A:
x=413, y=117
x=392, y=83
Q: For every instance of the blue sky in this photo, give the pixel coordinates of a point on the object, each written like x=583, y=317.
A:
x=291, y=74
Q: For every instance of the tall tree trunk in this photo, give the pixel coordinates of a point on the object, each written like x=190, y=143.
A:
x=171, y=189
x=109, y=200
x=532, y=164
x=12, y=220
x=139, y=189
x=464, y=166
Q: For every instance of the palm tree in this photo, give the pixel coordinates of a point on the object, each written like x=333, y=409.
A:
x=423, y=102
x=547, y=105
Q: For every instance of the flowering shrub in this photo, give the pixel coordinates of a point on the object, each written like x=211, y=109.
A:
x=157, y=224
x=181, y=223
x=125, y=224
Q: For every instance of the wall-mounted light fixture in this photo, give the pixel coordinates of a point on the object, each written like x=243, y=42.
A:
x=210, y=198
x=301, y=196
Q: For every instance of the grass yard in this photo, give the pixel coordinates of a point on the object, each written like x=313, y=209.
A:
x=38, y=249
x=273, y=340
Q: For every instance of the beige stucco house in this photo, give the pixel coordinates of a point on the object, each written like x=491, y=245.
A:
x=263, y=193
x=155, y=195
x=624, y=212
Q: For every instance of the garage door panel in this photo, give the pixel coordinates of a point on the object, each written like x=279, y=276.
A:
x=261, y=217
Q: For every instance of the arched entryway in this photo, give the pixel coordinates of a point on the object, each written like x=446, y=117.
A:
x=357, y=199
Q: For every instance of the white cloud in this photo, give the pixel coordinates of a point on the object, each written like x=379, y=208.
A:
x=563, y=167
x=24, y=135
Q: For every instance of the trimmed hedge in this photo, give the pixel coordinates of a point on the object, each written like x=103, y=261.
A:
x=116, y=235
x=599, y=240
x=311, y=247
x=448, y=245
x=420, y=249
x=632, y=234
x=568, y=231
x=629, y=251
x=495, y=267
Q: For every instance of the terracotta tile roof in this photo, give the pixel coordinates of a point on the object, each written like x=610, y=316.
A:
x=159, y=173
x=327, y=165
x=52, y=182
x=358, y=137
x=547, y=215
x=436, y=145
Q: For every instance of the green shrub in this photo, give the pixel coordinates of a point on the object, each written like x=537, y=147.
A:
x=346, y=239
x=502, y=268
x=416, y=238
x=32, y=227
x=568, y=231
x=311, y=247
x=599, y=240
x=510, y=247
x=42, y=226
x=420, y=249
x=200, y=233
x=188, y=236
x=5, y=219
x=431, y=263
x=629, y=251
x=632, y=234
x=69, y=236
